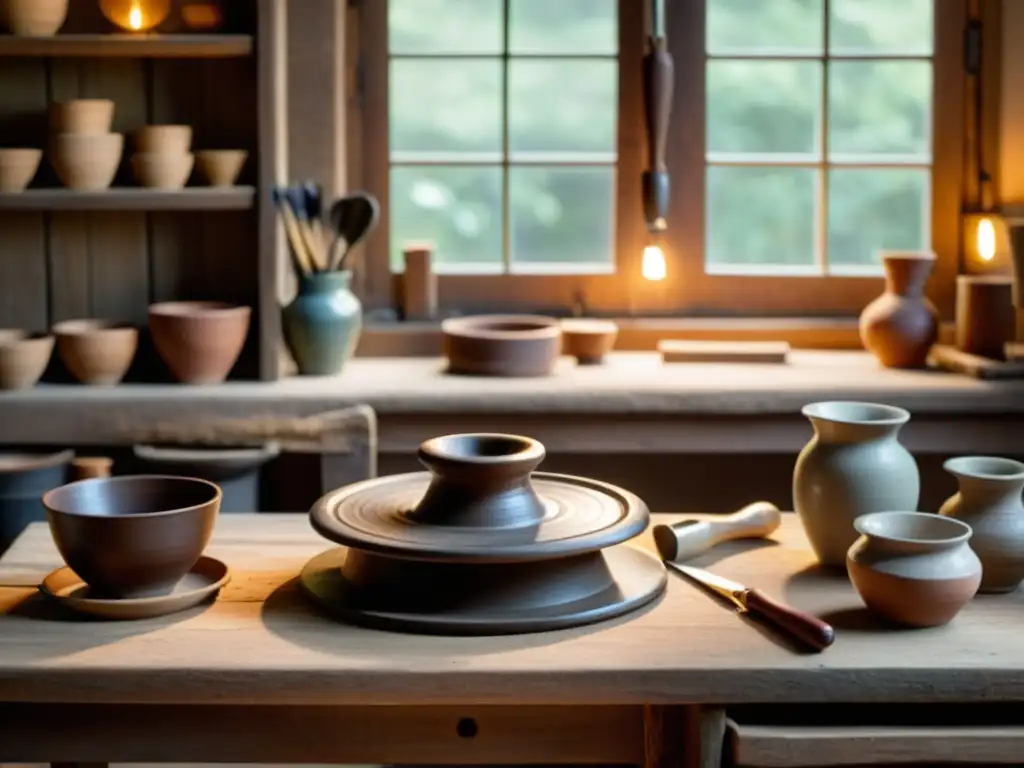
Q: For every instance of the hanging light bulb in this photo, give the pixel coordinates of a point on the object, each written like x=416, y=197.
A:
x=986, y=240
x=136, y=15
x=653, y=267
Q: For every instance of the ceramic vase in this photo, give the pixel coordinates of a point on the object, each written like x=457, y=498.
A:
x=322, y=324
x=901, y=325
x=913, y=568
x=854, y=465
x=989, y=501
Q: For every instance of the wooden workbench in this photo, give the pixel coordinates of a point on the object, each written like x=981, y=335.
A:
x=260, y=676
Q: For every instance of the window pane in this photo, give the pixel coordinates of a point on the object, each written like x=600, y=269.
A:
x=446, y=26
x=563, y=26
x=880, y=108
x=445, y=106
x=457, y=209
x=566, y=107
x=764, y=107
x=875, y=209
x=562, y=215
x=761, y=217
x=765, y=26
x=882, y=26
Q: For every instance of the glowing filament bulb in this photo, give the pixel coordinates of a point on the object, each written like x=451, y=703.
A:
x=986, y=240
x=653, y=267
x=135, y=17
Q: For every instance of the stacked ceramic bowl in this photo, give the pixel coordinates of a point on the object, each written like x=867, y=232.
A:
x=163, y=156
x=133, y=545
x=84, y=152
x=34, y=18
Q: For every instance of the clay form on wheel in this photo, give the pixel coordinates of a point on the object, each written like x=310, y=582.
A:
x=205, y=579
x=989, y=501
x=853, y=465
x=479, y=545
x=913, y=568
x=502, y=345
x=900, y=326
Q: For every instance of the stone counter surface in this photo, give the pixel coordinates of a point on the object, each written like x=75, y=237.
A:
x=262, y=643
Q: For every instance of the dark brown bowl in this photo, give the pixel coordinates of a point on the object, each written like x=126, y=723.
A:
x=133, y=536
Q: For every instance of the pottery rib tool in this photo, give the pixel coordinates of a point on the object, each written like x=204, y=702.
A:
x=808, y=630
x=689, y=538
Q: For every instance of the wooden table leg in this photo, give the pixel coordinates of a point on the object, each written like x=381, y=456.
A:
x=683, y=736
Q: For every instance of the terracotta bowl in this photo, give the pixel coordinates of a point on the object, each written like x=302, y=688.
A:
x=17, y=168
x=502, y=345
x=588, y=340
x=85, y=161
x=221, y=167
x=199, y=340
x=133, y=536
x=95, y=351
x=162, y=171
x=23, y=358
x=164, y=139
x=94, y=117
x=34, y=18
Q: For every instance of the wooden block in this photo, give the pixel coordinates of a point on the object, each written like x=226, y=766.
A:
x=678, y=351
x=419, y=283
x=952, y=359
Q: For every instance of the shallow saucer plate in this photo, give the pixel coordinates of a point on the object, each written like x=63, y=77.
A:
x=205, y=579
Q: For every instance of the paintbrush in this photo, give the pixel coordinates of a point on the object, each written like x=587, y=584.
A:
x=300, y=256
x=297, y=200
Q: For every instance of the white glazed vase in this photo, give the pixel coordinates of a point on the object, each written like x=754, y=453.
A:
x=990, y=502
x=854, y=465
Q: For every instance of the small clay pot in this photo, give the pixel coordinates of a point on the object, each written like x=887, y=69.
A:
x=901, y=325
x=199, y=340
x=85, y=161
x=93, y=117
x=221, y=167
x=913, y=568
x=502, y=345
x=164, y=140
x=588, y=340
x=35, y=18
x=162, y=171
x=23, y=358
x=96, y=352
x=17, y=168
x=133, y=536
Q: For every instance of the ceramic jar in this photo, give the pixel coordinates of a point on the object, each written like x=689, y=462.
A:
x=852, y=466
x=913, y=568
x=322, y=324
x=990, y=502
x=901, y=325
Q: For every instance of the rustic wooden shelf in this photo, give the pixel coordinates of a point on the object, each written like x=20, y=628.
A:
x=131, y=199
x=124, y=45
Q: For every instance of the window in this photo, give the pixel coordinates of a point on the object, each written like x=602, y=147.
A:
x=804, y=140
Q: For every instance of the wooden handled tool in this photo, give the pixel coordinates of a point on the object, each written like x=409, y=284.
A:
x=689, y=538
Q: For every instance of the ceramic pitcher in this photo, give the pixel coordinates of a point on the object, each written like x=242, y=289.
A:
x=322, y=324
x=990, y=502
x=852, y=466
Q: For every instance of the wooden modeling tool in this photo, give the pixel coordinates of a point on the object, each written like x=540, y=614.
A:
x=689, y=538
x=679, y=351
x=301, y=258
x=808, y=630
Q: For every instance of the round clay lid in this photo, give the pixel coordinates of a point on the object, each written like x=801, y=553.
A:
x=579, y=515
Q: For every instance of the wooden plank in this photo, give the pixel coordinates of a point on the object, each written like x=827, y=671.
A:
x=131, y=199
x=128, y=46
x=329, y=735
x=808, y=747
x=679, y=351
x=23, y=284
x=665, y=737
x=957, y=361
x=686, y=648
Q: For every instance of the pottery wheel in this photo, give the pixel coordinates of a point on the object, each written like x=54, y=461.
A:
x=467, y=599
x=580, y=515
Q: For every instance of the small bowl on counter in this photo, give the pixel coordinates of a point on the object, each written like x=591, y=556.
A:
x=23, y=358
x=18, y=167
x=221, y=167
x=134, y=536
x=199, y=340
x=96, y=352
x=502, y=345
x=913, y=568
x=589, y=340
